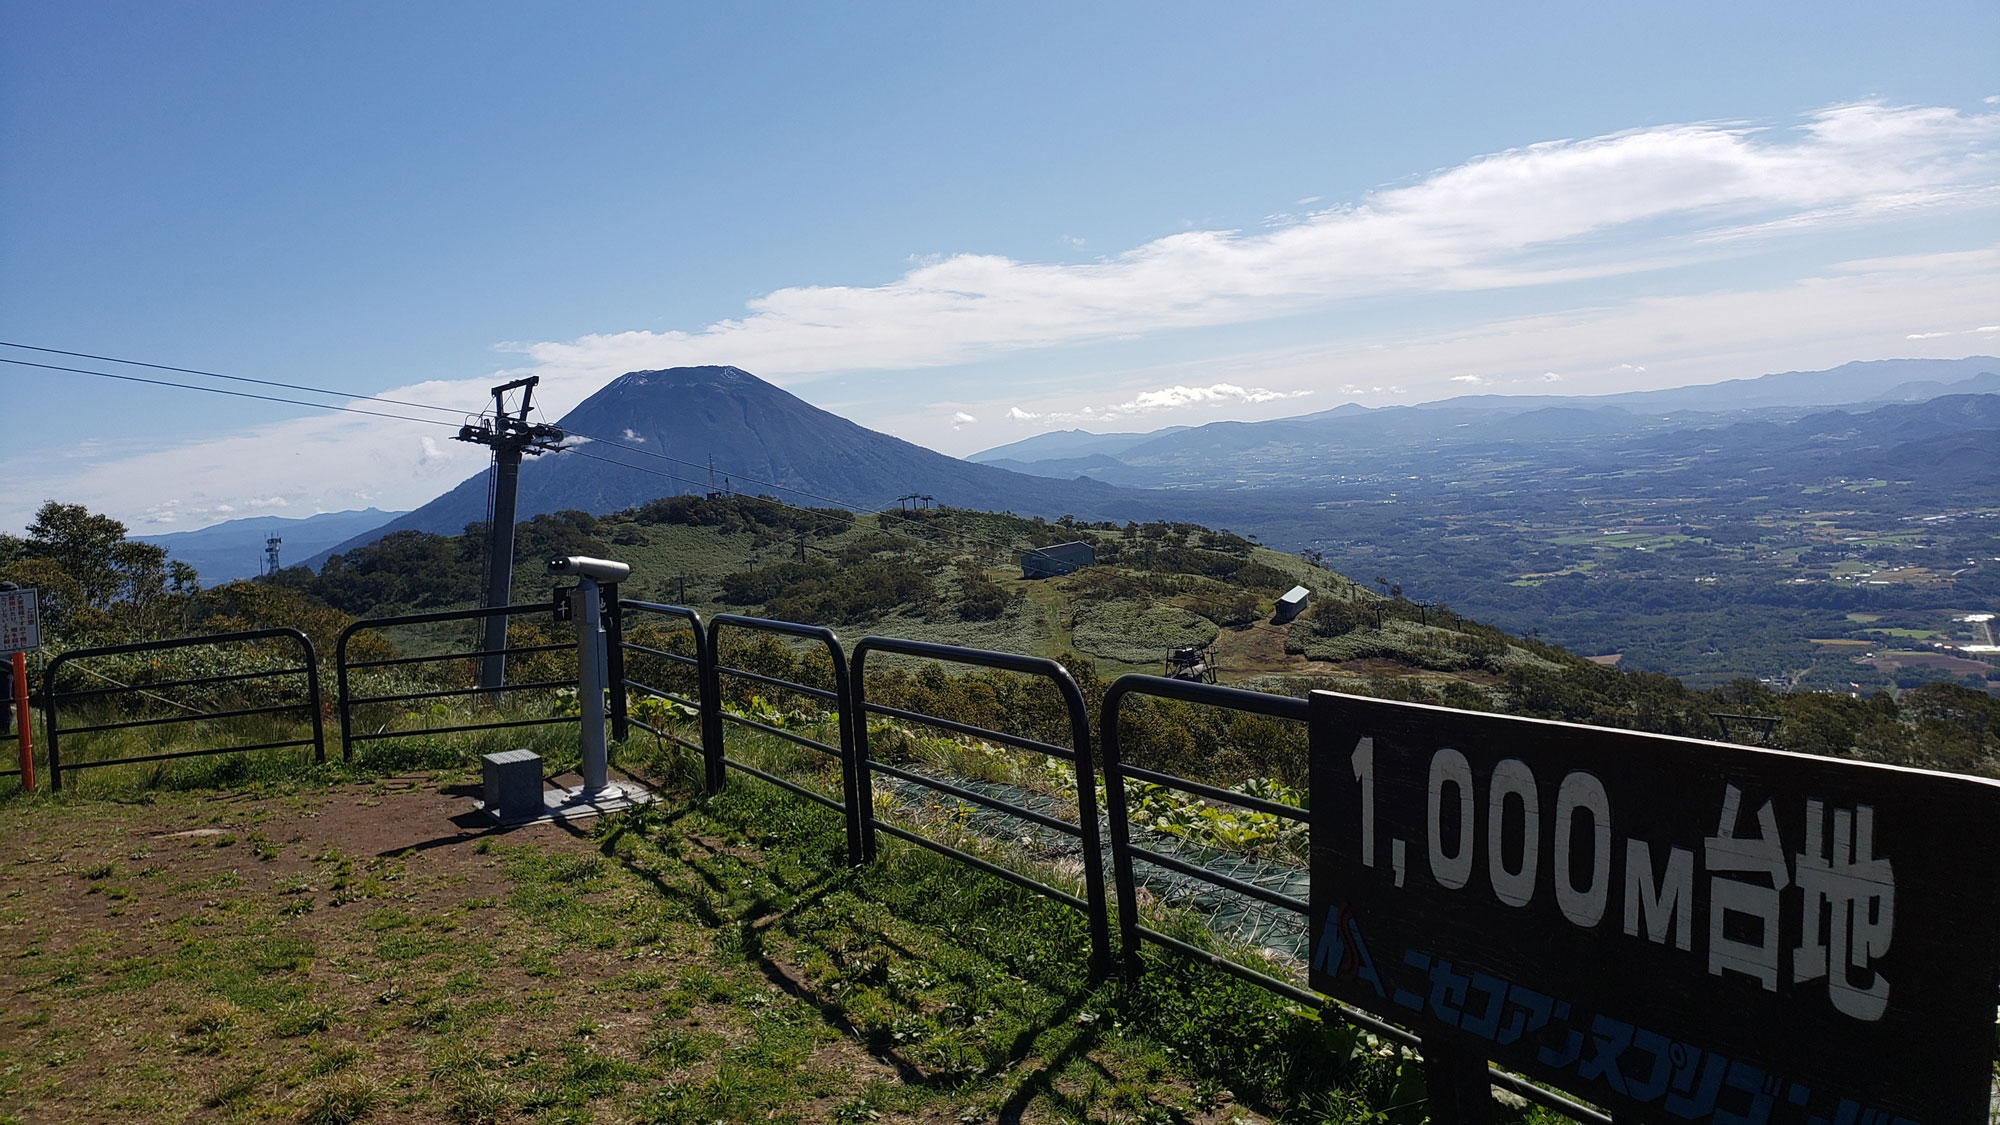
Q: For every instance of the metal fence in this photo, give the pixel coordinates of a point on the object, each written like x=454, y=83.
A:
x=1133, y=931
x=852, y=801
x=863, y=775
x=345, y=668
x=54, y=697
x=849, y=706
x=618, y=648
x=1084, y=829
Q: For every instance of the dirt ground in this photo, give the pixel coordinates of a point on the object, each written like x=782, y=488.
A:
x=1260, y=650
x=363, y=914
x=374, y=951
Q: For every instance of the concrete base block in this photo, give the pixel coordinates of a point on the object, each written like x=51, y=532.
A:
x=512, y=783
x=576, y=804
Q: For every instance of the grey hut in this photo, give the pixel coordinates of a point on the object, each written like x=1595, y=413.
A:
x=1059, y=558
x=1290, y=604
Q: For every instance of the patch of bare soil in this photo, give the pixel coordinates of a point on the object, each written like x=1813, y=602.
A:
x=328, y=956
x=376, y=951
x=1259, y=650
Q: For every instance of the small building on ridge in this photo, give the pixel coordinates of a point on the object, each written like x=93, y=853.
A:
x=1290, y=604
x=1057, y=558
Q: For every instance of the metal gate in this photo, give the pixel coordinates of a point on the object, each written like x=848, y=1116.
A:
x=1077, y=754
x=53, y=699
x=348, y=701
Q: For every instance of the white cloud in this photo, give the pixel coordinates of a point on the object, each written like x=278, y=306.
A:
x=1473, y=380
x=1551, y=377
x=1177, y=397
x=320, y=463
x=633, y=435
x=1925, y=335
x=1522, y=217
x=1846, y=311
x=961, y=420
x=1173, y=398
x=1552, y=212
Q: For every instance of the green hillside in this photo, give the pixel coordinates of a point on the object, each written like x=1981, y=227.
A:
x=954, y=575
x=948, y=575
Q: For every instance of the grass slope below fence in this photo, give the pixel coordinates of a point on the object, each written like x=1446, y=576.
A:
x=326, y=945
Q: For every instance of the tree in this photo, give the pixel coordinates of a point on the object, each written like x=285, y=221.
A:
x=94, y=579
x=84, y=545
x=245, y=605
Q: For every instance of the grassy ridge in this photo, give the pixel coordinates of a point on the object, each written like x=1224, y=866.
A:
x=698, y=961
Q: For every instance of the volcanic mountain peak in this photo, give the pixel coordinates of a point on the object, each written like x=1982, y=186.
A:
x=647, y=434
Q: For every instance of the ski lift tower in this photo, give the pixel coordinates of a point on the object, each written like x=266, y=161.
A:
x=1191, y=662
x=509, y=434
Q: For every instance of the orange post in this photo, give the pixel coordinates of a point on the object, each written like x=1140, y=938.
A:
x=23, y=721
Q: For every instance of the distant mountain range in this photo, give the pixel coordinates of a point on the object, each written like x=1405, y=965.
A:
x=1275, y=452
x=1700, y=531
x=1068, y=443
x=655, y=433
x=228, y=551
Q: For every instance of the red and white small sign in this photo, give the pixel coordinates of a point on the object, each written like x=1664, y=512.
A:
x=20, y=622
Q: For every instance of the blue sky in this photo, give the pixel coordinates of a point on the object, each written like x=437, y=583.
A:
x=960, y=224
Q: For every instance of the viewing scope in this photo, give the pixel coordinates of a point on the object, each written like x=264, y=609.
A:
x=597, y=570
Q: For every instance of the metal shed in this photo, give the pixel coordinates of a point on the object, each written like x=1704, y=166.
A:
x=1290, y=604
x=1057, y=558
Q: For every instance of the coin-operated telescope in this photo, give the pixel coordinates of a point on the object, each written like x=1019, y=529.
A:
x=513, y=778
x=587, y=610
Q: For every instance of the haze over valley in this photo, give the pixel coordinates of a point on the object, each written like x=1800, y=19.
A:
x=1745, y=530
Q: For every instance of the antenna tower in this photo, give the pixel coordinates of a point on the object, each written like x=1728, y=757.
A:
x=271, y=555
x=508, y=435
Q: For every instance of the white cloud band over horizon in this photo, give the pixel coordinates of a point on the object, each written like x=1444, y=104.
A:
x=1649, y=201
x=1486, y=224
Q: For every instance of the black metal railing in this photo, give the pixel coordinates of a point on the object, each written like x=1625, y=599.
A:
x=617, y=648
x=53, y=698
x=845, y=698
x=348, y=701
x=1132, y=931
x=853, y=801
x=1077, y=754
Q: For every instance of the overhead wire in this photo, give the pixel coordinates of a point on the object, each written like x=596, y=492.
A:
x=233, y=378
x=232, y=394
x=850, y=511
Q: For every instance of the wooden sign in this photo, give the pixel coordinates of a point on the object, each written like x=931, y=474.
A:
x=20, y=622
x=1676, y=930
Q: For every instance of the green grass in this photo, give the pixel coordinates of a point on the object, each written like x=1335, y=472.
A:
x=695, y=961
